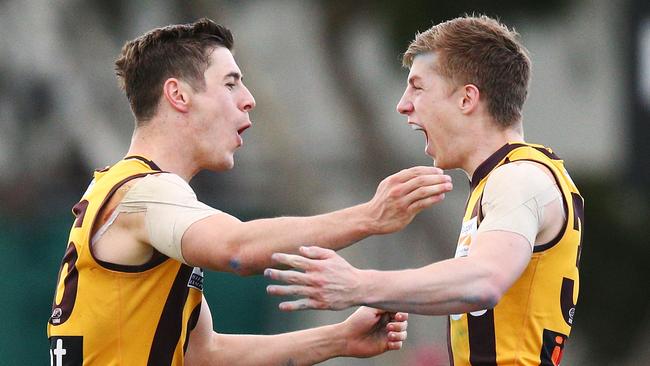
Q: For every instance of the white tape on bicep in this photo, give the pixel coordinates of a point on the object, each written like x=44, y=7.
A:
x=514, y=199
x=170, y=207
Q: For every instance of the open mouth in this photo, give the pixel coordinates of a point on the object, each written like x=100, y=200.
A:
x=417, y=127
x=243, y=128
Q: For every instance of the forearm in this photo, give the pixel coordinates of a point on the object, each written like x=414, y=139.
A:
x=447, y=287
x=256, y=240
x=306, y=347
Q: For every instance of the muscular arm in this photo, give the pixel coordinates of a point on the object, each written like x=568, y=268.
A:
x=163, y=212
x=452, y=286
x=457, y=285
x=361, y=335
x=497, y=257
x=222, y=242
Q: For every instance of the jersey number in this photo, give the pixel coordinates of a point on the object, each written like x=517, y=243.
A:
x=66, y=290
x=578, y=221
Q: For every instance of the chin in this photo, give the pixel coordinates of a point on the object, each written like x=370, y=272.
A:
x=222, y=165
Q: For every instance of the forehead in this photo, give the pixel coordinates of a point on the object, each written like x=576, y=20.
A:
x=424, y=66
x=222, y=63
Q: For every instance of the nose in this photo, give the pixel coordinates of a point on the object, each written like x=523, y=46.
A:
x=404, y=106
x=248, y=101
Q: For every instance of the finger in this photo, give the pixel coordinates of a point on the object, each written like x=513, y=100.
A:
x=397, y=336
x=288, y=276
x=394, y=346
x=427, y=202
x=422, y=192
x=400, y=316
x=302, y=304
x=292, y=260
x=407, y=174
x=425, y=181
x=397, y=326
x=288, y=290
x=315, y=252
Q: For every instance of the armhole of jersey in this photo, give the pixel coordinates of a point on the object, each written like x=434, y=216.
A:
x=100, y=232
x=156, y=259
x=542, y=247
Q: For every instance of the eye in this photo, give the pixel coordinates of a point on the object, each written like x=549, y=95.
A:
x=230, y=86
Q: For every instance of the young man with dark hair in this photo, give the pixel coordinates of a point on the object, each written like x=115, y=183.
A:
x=130, y=285
x=510, y=291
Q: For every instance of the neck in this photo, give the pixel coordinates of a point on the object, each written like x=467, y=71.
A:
x=166, y=150
x=487, y=144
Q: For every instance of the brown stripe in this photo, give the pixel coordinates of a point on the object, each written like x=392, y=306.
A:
x=449, y=348
x=491, y=162
x=70, y=284
x=79, y=211
x=191, y=324
x=578, y=210
x=156, y=259
x=150, y=163
x=482, y=339
x=566, y=300
x=578, y=221
x=170, y=324
x=548, y=153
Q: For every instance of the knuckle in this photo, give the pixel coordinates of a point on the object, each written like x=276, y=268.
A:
x=318, y=281
x=421, y=180
x=396, y=193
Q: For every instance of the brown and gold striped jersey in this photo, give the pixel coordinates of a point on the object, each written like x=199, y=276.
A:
x=532, y=321
x=109, y=314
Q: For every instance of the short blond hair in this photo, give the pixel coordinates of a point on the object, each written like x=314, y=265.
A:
x=482, y=51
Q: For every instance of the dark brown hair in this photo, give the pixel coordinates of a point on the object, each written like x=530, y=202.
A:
x=482, y=51
x=180, y=50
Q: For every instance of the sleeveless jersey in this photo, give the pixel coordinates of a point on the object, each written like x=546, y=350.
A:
x=531, y=323
x=109, y=314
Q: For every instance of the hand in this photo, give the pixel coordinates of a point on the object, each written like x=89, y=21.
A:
x=369, y=332
x=327, y=280
x=403, y=195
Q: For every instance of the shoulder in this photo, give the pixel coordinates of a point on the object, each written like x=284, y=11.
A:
x=520, y=172
x=518, y=182
x=520, y=176
x=159, y=186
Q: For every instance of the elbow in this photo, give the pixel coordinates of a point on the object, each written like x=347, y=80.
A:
x=241, y=268
x=487, y=295
x=490, y=299
x=243, y=263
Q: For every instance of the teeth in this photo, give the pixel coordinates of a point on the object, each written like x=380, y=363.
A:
x=417, y=128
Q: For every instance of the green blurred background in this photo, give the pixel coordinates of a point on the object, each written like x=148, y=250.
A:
x=326, y=76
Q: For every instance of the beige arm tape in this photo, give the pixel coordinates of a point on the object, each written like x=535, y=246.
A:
x=170, y=207
x=514, y=199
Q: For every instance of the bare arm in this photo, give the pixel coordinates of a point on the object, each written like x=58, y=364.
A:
x=366, y=333
x=456, y=285
x=222, y=242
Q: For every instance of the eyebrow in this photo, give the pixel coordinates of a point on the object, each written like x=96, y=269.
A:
x=235, y=75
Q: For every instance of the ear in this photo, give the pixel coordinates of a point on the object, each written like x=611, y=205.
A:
x=470, y=99
x=176, y=94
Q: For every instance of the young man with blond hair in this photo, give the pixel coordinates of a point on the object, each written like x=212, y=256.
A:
x=130, y=284
x=510, y=291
